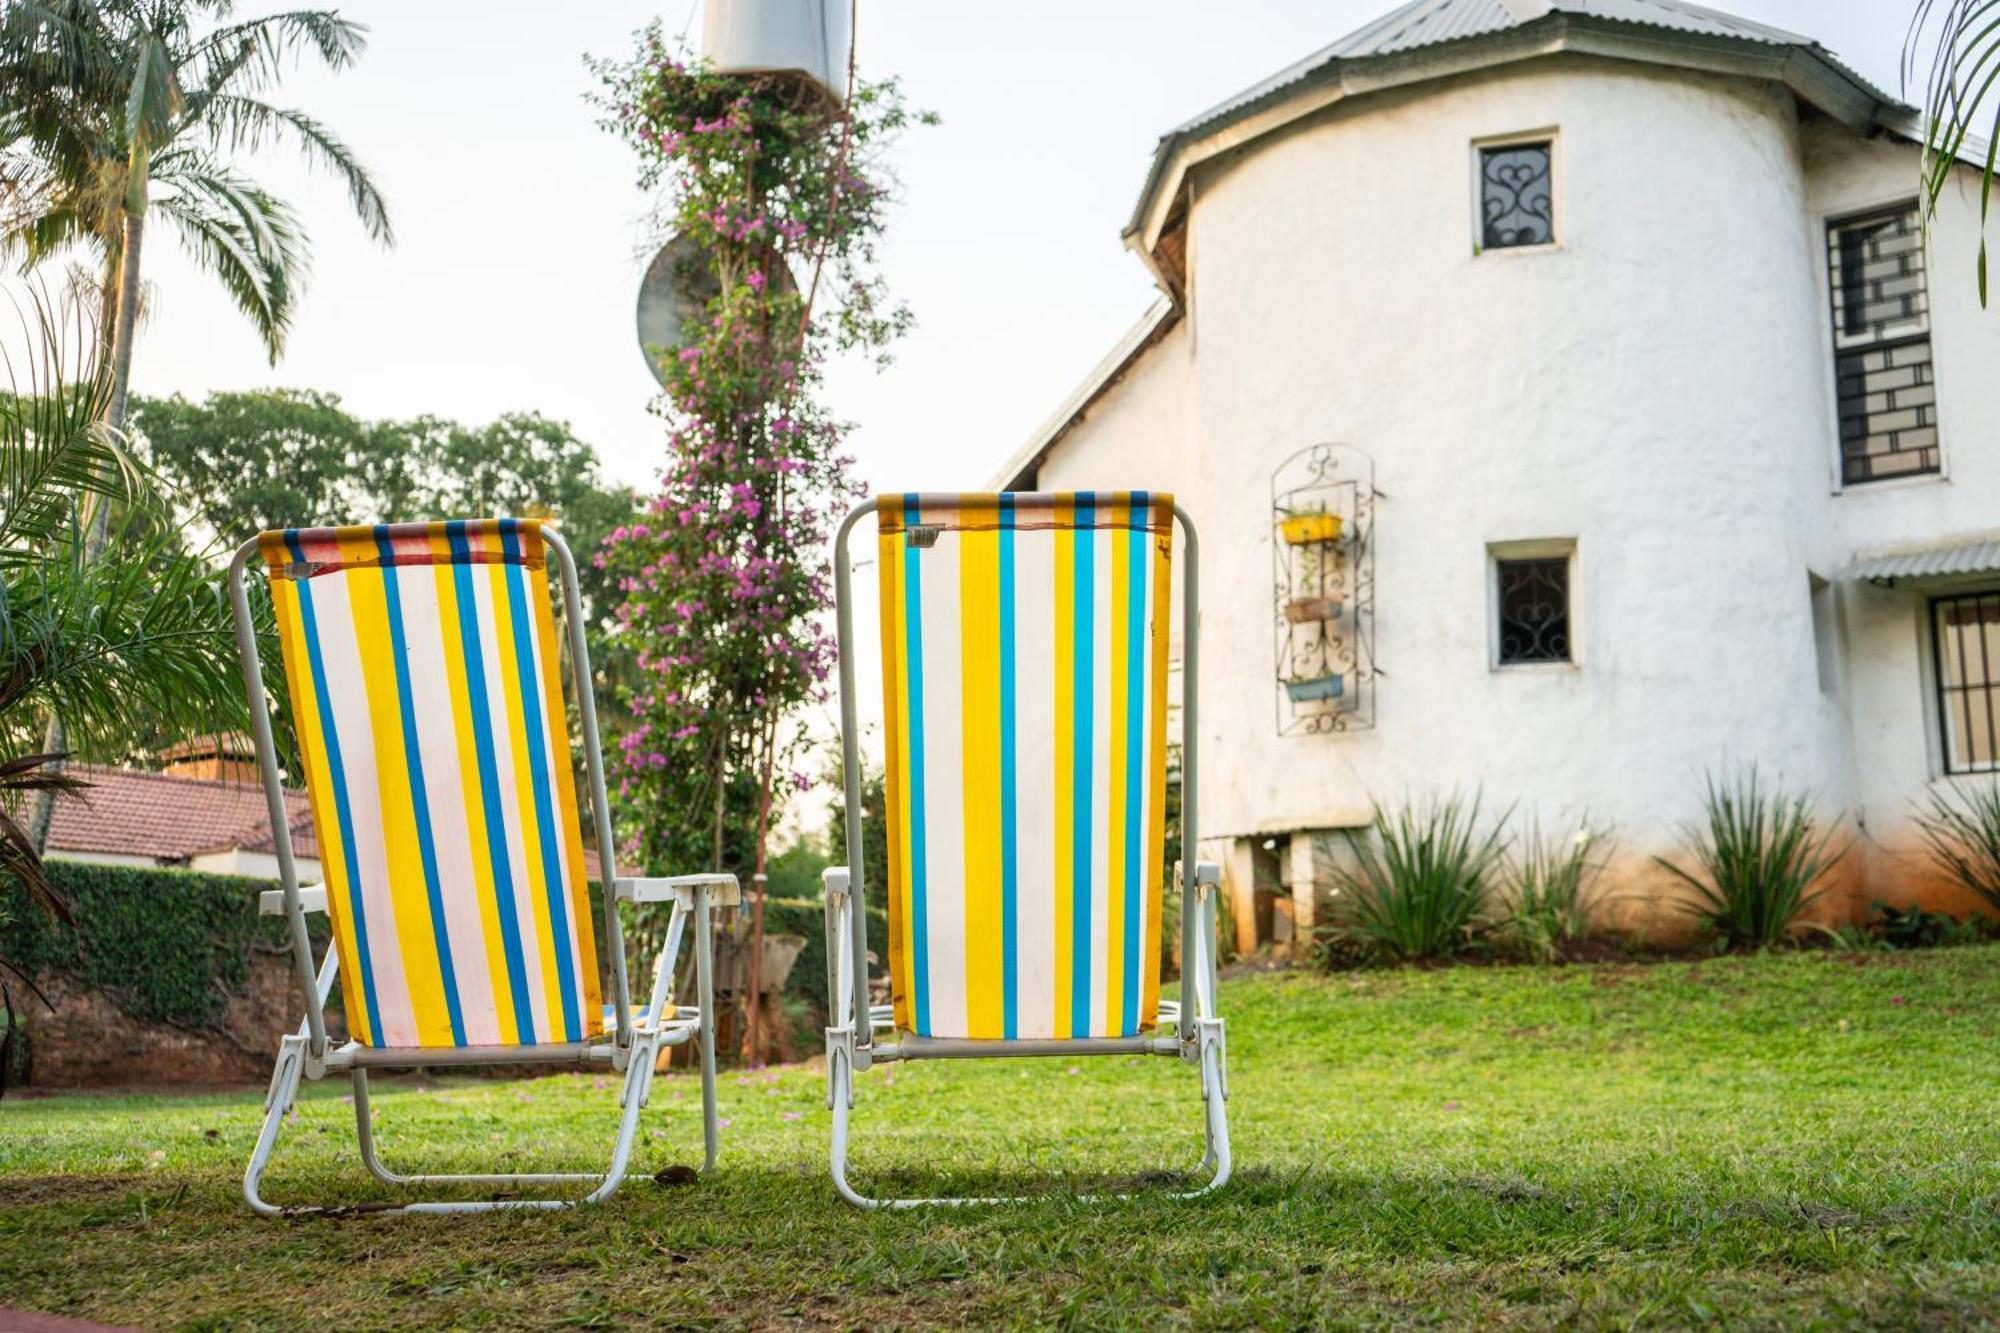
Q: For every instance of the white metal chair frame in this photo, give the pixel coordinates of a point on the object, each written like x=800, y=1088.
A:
x=851, y=1042
x=632, y=1048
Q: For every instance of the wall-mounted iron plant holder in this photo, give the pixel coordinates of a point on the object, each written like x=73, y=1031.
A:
x=1323, y=555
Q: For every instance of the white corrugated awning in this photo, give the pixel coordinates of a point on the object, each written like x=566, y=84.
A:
x=1980, y=555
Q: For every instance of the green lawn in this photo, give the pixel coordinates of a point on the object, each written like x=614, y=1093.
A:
x=1772, y=1141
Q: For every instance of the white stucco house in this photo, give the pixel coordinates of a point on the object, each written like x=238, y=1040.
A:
x=1660, y=442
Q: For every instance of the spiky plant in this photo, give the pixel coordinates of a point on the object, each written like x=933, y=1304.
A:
x=1758, y=856
x=1421, y=880
x=1961, y=831
x=1551, y=889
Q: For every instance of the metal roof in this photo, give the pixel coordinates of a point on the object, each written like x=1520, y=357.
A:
x=1431, y=38
x=1422, y=23
x=1979, y=555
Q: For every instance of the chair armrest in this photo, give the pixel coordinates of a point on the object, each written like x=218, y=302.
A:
x=1207, y=875
x=834, y=880
x=271, y=902
x=723, y=890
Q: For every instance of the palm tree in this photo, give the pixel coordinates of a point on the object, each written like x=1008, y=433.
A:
x=115, y=108
x=113, y=647
x=122, y=108
x=1963, y=41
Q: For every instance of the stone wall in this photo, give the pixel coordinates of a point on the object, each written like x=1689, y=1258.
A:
x=89, y=1042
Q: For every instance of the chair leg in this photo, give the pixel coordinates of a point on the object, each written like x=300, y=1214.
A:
x=840, y=1099
x=277, y=1103
x=1214, y=1096
x=704, y=989
x=284, y=1092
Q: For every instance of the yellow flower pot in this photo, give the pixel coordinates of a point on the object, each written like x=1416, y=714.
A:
x=1306, y=529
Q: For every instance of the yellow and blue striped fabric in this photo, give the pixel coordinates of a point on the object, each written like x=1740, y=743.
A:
x=421, y=660
x=1024, y=649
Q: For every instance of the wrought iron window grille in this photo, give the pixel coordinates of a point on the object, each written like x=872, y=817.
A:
x=1532, y=596
x=1516, y=195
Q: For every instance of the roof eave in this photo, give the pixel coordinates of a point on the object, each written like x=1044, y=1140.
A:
x=1811, y=74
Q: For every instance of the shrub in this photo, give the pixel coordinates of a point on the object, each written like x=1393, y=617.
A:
x=1757, y=856
x=167, y=945
x=1421, y=881
x=1961, y=830
x=1551, y=891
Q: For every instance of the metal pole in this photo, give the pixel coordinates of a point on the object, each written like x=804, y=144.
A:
x=850, y=764
x=593, y=761
x=252, y=667
x=1190, y=730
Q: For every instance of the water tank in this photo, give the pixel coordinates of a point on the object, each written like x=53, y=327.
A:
x=804, y=37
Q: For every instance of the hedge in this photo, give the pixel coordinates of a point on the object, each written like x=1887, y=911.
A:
x=167, y=945
x=172, y=945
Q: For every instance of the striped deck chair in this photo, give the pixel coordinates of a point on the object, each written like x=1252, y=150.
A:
x=426, y=697
x=1024, y=651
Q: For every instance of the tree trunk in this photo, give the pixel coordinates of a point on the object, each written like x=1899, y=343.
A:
x=124, y=330
x=107, y=299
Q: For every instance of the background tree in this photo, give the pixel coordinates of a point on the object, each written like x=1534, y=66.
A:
x=238, y=463
x=126, y=107
x=116, y=108
x=1962, y=38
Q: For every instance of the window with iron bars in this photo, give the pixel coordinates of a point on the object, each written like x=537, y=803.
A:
x=1965, y=642
x=1882, y=346
x=1533, y=610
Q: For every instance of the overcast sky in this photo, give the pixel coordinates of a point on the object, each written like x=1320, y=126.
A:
x=521, y=230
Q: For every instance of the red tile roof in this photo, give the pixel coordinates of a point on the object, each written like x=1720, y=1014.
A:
x=129, y=812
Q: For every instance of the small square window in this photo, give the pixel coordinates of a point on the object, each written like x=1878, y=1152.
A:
x=1531, y=597
x=1516, y=198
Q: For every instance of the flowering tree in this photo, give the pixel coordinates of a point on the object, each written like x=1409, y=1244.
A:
x=779, y=201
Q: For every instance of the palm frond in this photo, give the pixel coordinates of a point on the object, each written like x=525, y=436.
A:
x=24, y=775
x=245, y=122
x=155, y=98
x=253, y=54
x=55, y=449
x=1962, y=38
x=251, y=241
x=118, y=648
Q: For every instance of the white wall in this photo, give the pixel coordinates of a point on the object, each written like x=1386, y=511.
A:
x=256, y=865
x=1657, y=388
x=105, y=859
x=1887, y=686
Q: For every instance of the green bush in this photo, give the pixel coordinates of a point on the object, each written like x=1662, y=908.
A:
x=1421, y=882
x=1757, y=857
x=1551, y=891
x=1961, y=830
x=167, y=945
